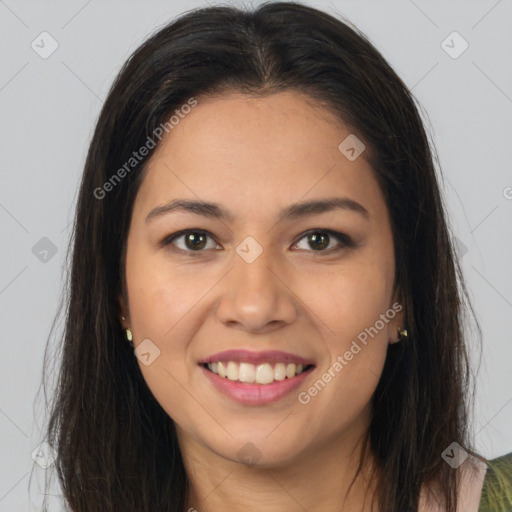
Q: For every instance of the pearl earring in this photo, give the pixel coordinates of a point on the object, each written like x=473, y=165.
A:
x=129, y=335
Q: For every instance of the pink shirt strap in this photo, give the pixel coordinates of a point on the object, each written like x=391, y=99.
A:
x=472, y=472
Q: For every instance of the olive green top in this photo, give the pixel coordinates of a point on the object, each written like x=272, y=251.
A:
x=497, y=486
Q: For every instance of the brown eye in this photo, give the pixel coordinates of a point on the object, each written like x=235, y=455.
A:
x=193, y=241
x=319, y=240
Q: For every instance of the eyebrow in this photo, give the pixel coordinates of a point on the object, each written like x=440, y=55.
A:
x=294, y=211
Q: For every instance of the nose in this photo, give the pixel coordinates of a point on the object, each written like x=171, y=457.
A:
x=255, y=296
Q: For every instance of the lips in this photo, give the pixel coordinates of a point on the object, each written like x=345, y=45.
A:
x=267, y=356
x=256, y=378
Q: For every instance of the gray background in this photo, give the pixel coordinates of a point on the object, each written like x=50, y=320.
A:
x=49, y=107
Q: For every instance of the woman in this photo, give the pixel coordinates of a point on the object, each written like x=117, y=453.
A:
x=264, y=303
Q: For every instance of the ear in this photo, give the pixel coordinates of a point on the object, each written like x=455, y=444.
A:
x=398, y=321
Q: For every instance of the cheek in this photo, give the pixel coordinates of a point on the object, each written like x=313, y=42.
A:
x=349, y=299
x=159, y=304
x=159, y=301
x=348, y=304
x=161, y=294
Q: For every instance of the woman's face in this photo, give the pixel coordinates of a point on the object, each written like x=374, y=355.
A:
x=262, y=276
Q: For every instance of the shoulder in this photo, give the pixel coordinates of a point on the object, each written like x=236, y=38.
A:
x=483, y=487
x=497, y=486
x=470, y=476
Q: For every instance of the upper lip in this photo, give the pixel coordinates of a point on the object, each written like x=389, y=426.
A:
x=248, y=356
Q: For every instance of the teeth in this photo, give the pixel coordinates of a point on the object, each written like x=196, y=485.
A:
x=260, y=374
x=280, y=371
x=246, y=373
x=232, y=371
x=264, y=374
x=290, y=370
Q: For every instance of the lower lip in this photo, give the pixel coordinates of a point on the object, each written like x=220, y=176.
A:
x=256, y=394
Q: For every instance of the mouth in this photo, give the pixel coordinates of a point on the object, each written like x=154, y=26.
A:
x=265, y=373
x=256, y=378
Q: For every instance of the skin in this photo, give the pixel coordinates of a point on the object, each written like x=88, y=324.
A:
x=255, y=156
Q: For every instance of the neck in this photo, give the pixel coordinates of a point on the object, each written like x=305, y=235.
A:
x=319, y=479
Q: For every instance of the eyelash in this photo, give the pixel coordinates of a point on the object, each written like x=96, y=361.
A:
x=345, y=240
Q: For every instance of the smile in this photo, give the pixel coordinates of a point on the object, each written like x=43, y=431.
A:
x=255, y=378
x=265, y=373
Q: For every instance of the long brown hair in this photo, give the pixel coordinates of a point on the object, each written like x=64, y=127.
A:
x=117, y=448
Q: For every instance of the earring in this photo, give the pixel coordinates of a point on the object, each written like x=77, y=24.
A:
x=402, y=333
x=129, y=335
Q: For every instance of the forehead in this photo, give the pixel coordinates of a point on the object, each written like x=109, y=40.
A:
x=286, y=126
x=256, y=152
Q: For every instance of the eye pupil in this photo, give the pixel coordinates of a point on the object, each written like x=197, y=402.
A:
x=322, y=238
x=192, y=238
